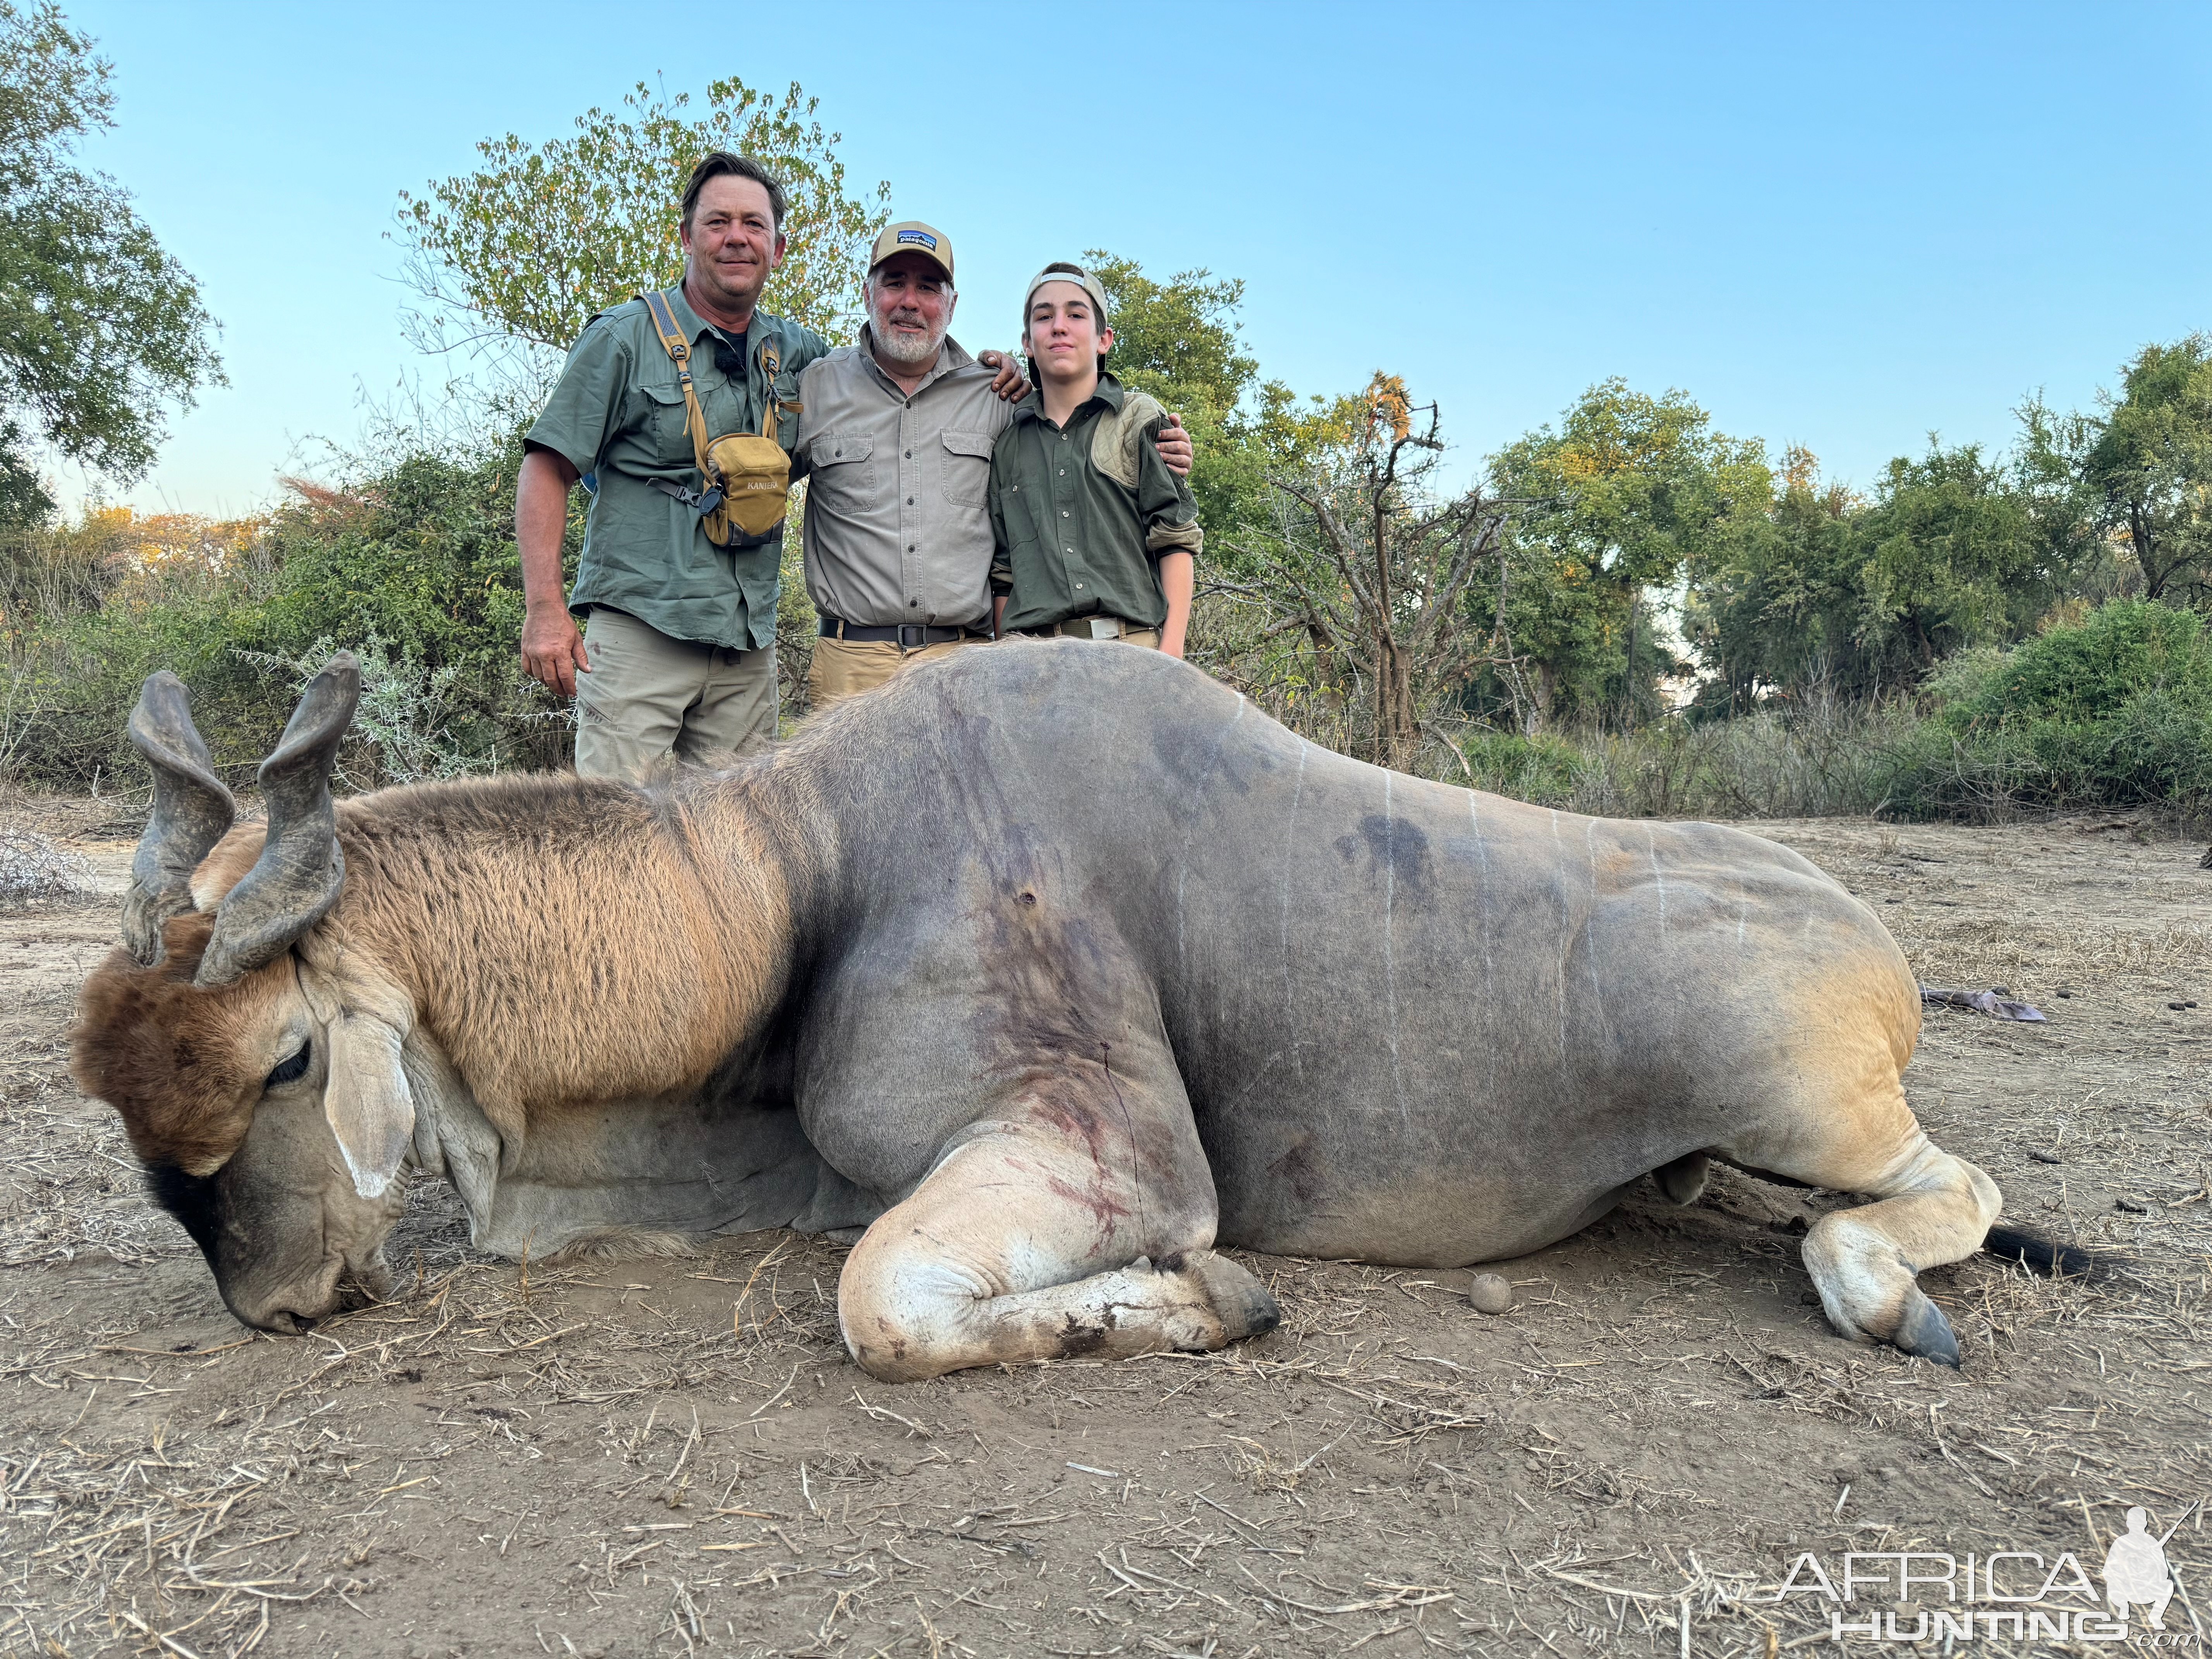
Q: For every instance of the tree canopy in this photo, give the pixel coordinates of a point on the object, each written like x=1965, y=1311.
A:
x=99, y=328
x=542, y=237
x=1629, y=493
x=2150, y=464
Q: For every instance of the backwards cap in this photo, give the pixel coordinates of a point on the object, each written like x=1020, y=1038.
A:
x=1061, y=271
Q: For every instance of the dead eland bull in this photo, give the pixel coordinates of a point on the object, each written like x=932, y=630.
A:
x=1052, y=966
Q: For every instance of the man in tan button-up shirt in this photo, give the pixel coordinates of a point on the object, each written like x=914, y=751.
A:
x=895, y=440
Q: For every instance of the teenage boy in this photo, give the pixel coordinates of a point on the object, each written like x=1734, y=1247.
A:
x=1094, y=536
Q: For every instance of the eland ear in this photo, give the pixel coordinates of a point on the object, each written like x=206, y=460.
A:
x=370, y=1107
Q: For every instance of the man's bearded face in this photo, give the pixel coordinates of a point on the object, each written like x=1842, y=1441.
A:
x=910, y=309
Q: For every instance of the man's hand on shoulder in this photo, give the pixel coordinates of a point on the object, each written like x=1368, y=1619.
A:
x=1175, y=447
x=1008, y=382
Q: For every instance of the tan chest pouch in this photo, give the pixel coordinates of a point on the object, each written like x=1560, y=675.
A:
x=754, y=475
x=745, y=477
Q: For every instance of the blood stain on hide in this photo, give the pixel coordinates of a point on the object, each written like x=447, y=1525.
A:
x=1076, y=1339
x=1104, y=1209
x=1057, y=1105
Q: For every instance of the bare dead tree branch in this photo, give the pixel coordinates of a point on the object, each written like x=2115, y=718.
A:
x=1373, y=573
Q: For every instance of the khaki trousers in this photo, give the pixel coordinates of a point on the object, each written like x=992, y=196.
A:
x=649, y=697
x=845, y=668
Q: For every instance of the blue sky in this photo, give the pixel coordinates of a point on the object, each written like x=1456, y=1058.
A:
x=1838, y=226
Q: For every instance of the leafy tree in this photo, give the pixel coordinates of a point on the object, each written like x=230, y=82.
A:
x=1626, y=495
x=1857, y=597
x=1950, y=558
x=99, y=326
x=2151, y=466
x=542, y=237
x=1775, y=606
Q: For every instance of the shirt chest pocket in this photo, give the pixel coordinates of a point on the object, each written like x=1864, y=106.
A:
x=844, y=471
x=967, y=458
x=664, y=419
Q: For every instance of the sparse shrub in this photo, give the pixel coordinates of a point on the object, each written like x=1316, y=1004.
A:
x=404, y=730
x=33, y=867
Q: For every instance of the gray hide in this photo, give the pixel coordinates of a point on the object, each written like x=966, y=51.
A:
x=1414, y=1024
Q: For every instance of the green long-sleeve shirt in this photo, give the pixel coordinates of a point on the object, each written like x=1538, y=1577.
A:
x=1071, y=538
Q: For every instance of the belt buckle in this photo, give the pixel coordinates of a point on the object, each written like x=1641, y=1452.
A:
x=921, y=631
x=1105, y=628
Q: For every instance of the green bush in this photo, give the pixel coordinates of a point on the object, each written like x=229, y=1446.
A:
x=412, y=565
x=2115, y=710
x=2086, y=672
x=1546, y=770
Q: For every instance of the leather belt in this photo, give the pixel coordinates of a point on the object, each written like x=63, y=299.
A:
x=1087, y=627
x=908, y=637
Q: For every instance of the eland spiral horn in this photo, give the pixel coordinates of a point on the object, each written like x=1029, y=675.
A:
x=296, y=879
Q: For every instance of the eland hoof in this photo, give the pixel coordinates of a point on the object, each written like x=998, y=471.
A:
x=1683, y=1181
x=1925, y=1331
x=1241, y=1302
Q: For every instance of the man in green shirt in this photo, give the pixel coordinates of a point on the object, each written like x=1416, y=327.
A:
x=678, y=656
x=1094, y=536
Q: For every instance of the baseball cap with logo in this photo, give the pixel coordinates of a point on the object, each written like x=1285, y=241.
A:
x=1061, y=271
x=912, y=236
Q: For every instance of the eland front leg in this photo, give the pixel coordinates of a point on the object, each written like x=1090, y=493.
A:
x=1079, y=1222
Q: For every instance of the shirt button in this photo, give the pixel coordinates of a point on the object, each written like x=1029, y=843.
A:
x=909, y=454
x=910, y=500
x=1063, y=512
x=910, y=547
x=915, y=603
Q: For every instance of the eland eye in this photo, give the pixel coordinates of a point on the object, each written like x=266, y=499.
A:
x=293, y=1069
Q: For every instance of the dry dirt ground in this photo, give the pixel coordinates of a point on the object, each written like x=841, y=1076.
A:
x=676, y=1456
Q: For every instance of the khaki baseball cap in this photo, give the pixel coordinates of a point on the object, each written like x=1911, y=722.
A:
x=1062, y=272
x=912, y=236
